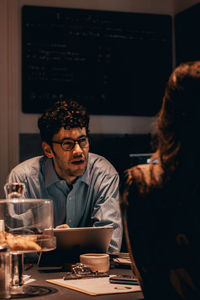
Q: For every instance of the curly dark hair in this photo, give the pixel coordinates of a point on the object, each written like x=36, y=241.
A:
x=178, y=119
x=67, y=114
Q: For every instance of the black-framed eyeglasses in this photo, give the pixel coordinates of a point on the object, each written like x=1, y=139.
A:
x=69, y=144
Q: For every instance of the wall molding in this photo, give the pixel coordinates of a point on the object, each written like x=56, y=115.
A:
x=9, y=88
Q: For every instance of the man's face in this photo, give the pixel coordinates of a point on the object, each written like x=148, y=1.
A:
x=72, y=163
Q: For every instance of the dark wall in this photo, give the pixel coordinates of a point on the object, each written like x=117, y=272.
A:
x=187, y=27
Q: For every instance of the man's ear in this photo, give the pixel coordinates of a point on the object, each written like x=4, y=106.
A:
x=47, y=150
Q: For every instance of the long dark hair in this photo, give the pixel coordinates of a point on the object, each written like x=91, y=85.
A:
x=178, y=121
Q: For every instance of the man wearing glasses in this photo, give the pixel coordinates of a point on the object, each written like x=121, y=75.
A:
x=82, y=185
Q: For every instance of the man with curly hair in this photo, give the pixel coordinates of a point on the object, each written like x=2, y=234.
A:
x=82, y=185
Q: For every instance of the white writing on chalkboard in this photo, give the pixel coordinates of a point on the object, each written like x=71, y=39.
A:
x=112, y=62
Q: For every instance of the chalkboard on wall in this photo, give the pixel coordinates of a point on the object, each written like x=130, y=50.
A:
x=114, y=63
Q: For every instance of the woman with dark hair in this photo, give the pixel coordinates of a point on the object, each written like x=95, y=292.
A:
x=160, y=201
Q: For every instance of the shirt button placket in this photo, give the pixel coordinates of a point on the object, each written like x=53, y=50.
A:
x=70, y=209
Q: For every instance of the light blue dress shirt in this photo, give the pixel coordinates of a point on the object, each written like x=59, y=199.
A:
x=93, y=200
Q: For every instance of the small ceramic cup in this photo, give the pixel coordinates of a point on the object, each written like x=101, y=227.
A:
x=97, y=262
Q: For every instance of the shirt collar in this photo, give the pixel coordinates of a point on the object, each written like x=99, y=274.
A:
x=51, y=177
x=85, y=177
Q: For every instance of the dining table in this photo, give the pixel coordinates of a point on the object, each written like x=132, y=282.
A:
x=56, y=292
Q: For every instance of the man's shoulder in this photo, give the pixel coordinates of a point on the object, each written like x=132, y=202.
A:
x=100, y=163
x=29, y=166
